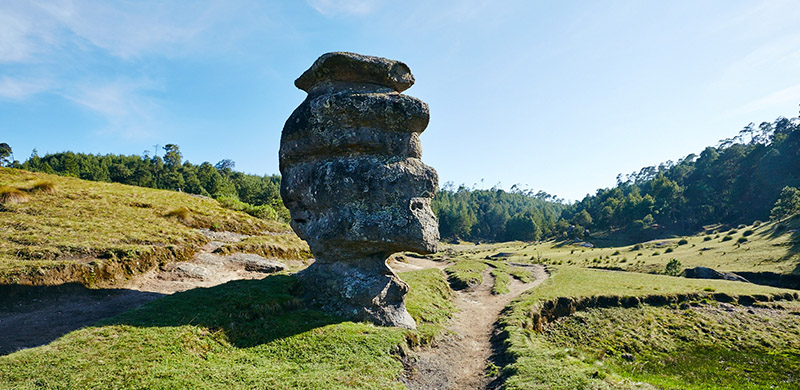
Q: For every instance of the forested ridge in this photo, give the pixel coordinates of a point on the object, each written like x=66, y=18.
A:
x=738, y=181
x=754, y=175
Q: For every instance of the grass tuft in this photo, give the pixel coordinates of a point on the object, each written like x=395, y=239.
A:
x=12, y=195
x=182, y=213
x=43, y=187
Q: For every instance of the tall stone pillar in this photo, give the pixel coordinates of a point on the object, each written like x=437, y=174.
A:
x=355, y=186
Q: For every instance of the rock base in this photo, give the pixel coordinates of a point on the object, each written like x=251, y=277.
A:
x=361, y=290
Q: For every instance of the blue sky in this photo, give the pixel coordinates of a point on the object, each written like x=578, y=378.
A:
x=559, y=96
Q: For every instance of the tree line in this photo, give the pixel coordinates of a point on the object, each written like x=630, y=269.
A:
x=256, y=195
x=496, y=215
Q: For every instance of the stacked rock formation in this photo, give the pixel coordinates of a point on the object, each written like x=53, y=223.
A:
x=355, y=186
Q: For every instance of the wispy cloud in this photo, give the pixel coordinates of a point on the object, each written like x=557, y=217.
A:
x=777, y=98
x=55, y=46
x=16, y=89
x=128, y=30
x=127, y=105
x=344, y=7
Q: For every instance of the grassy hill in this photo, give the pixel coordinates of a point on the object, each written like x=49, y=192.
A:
x=59, y=229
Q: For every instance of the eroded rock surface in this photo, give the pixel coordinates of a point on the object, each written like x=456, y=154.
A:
x=355, y=185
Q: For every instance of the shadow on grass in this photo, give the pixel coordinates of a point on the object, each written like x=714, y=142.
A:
x=36, y=315
x=250, y=312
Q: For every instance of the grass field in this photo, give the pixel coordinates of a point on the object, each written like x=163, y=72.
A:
x=671, y=346
x=762, y=247
x=240, y=335
x=58, y=229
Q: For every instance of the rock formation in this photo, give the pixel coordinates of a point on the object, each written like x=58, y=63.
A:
x=354, y=183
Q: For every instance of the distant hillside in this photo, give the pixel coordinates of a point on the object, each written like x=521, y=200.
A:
x=738, y=181
x=58, y=229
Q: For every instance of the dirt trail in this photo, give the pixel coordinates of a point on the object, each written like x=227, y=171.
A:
x=38, y=315
x=460, y=360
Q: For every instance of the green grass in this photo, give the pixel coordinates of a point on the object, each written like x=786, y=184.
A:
x=240, y=335
x=770, y=247
x=703, y=347
x=501, y=282
x=543, y=362
x=466, y=273
x=96, y=233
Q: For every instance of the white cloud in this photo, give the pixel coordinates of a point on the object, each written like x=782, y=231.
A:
x=344, y=7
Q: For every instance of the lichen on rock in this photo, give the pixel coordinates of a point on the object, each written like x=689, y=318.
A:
x=355, y=184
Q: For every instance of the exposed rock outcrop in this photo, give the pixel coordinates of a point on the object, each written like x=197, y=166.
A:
x=710, y=273
x=354, y=183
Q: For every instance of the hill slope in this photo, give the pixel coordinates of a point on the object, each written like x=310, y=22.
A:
x=58, y=229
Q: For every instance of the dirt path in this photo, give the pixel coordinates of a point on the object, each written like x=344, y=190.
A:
x=33, y=316
x=460, y=360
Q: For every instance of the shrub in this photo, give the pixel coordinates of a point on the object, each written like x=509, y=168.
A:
x=683, y=241
x=757, y=223
x=669, y=250
x=732, y=232
x=742, y=240
x=706, y=238
x=656, y=253
x=12, y=195
x=673, y=268
x=727, y=238
x=636, y=247
x=748, y=232
x=780, y=227
x=742, y=226
x=264, y=211
x=616, y=253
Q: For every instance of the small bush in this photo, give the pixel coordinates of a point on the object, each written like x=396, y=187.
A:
x=673, y=268
x=656, y=253
x=742, y=226
x=12, y=195
x=732, y=232
x=727, y=238
x=780, y=227
x=741, y=240
x=616, y=253
x=669, y=250
x=748, y=232
x=757, y=223
x=706, y=238
x=636, y=247
x=683, y=241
